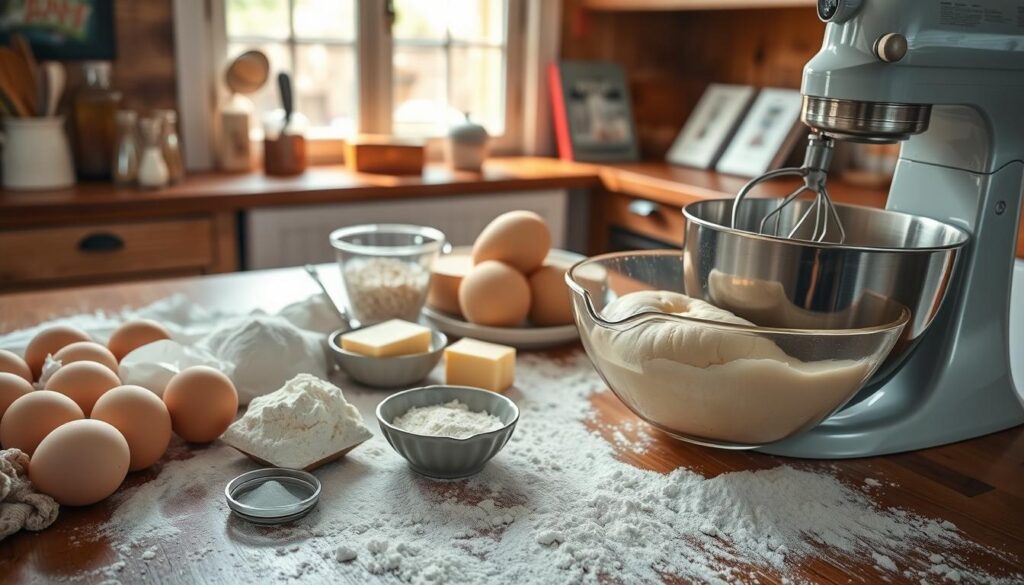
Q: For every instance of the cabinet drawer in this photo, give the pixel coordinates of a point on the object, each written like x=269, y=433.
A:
x=654, y=220
x=104, y=250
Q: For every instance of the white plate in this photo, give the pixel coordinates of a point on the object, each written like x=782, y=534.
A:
x=518, y=337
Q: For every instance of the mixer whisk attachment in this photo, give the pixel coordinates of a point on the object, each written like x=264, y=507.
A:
x=814, y=173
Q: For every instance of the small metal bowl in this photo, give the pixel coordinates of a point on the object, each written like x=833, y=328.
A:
x=300, y=482
x=445, y=457
x=387, y=372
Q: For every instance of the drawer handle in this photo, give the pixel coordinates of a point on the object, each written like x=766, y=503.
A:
x=643, y=208
x=101, y=242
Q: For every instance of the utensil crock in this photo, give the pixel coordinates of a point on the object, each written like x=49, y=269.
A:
x=36, y=154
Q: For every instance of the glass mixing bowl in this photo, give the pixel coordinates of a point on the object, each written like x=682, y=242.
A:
x=386, y=269
x=710, y=382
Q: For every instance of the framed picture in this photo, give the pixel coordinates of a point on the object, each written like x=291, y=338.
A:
x=708, y=129
x=66, y=30
x=592, y=112
x=766, y=136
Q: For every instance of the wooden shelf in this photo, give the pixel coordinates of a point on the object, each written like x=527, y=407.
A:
x=667, y=5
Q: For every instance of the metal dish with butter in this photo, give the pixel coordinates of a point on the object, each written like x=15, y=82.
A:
x=387, y=372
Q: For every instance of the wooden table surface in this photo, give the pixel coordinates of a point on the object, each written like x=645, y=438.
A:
x=978, y=484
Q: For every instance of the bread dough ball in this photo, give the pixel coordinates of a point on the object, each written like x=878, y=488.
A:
x=693, y=344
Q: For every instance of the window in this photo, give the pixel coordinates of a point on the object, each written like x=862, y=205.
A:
x=436, y=58
x=314, y=40
x=446, y=63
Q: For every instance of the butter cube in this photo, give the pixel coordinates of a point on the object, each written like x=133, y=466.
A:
x=469, y=362
x=390, y=338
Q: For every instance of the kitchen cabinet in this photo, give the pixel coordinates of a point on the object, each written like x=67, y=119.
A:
x=290, y=236
x=62, y=255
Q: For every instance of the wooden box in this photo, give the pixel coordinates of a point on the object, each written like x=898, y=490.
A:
x=385, y=155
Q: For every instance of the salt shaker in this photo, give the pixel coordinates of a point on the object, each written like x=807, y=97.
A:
x=170, y=146
x=153, y=171
x=126, y=155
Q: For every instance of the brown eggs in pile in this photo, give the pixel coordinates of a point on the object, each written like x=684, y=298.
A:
x=506, y=280
x=86, y=431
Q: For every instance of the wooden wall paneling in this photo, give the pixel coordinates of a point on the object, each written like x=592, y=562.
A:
x=145, y=69
x=671, y=57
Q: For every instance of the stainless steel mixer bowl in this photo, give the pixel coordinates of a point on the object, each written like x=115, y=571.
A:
x=889, y=260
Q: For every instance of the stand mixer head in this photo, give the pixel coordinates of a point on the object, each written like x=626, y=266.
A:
x=945, y=79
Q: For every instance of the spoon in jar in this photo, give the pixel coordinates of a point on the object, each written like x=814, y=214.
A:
x=315, y=275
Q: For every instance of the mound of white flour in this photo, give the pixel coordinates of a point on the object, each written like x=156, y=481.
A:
x=305, y=421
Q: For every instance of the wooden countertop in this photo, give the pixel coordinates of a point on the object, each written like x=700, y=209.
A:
x=323, y=184
x=977, y=484
x=204, y=193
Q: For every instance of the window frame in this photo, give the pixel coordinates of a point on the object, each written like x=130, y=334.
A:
x=373, y=46
x=532, y=38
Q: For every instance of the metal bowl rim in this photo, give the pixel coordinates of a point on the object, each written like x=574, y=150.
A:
x=897, y=324
x=964, y=236
x=435, y=335
x=255, y=474
x=393, y=429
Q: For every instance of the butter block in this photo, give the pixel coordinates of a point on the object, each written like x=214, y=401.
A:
x=469, y=362
x=388, y=339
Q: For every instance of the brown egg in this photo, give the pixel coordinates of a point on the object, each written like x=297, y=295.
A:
x=520, y=239
x=86, y=351
x=30, y=418
x=550, y=301
x=48, y=342
x=12, y=387
x=202, y=402
x=494, y=294
x=135, y=334
x=12, y=363
x=141, y=417
x=445, y=278
x=83, y=382
x=80, y=463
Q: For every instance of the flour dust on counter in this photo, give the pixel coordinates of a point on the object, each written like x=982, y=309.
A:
x=556, y=506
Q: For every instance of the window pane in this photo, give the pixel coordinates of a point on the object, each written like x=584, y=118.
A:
x=478, y=86
x=257, y=18
x=267, y=98
x=419, y=91
x=325, y=87
x=325, y=19
x=420, y=19
x=477, y=20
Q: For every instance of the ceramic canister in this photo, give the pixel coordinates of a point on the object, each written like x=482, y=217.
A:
x=36, y=154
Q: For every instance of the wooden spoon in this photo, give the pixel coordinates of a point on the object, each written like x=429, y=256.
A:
x=24, y=50
x=9, y=88
x=18, y=81
x=55, y=76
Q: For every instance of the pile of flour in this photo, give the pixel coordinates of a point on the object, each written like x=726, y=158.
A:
x=303, y=422
x=451, y=419
x=557, y=505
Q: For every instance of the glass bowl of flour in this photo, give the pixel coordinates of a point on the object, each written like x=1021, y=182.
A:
x=386, y=269
x=704, y=375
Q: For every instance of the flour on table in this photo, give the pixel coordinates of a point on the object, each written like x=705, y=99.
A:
x=557, y=505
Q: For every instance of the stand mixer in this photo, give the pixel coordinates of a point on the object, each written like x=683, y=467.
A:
x=946, y=79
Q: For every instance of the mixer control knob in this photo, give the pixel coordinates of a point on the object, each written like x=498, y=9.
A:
x=891, y=47
x=837, y=10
